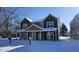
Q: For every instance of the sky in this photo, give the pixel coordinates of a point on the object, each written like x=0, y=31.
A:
x=65, y=14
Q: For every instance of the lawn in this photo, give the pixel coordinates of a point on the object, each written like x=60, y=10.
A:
x=65, y=45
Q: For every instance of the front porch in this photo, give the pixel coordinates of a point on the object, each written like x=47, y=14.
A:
x=39, y=35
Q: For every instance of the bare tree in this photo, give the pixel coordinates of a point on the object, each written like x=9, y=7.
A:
x=8, y=14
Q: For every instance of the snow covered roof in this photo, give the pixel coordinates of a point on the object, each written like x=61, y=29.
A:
x=21, y=30
x=29, y=19
x=49, y=29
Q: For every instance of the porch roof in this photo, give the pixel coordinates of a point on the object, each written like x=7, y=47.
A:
x=20, y=30
x=44, y=29
x=49, y=29
x=34, y=25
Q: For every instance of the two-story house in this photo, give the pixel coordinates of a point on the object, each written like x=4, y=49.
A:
x=47, y=29
x=74, y=27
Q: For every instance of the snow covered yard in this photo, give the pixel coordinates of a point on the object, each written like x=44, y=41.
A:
x=39, y=46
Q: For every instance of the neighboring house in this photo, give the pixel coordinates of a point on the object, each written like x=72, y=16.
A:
x=74, y=27
x=47, y=29
x=67, y=34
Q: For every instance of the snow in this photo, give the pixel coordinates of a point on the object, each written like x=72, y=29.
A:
x=29, y=19
x=7, y=48
x=49, y=29
x=66, y=44
x=21, y=30
x=64, y=38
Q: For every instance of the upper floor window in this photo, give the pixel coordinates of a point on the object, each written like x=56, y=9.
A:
x=41, y=24
x=25, y=25
x=49, y=24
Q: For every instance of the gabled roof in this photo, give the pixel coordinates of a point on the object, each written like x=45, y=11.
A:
x=51, y=16
x=26, y=19
x=30, y=20
x=76, y=16
x=34, y=26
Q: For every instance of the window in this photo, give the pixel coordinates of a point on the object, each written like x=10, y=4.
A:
x=25, y=25
x=41, y=24
x=50, y=24
x=50, y=35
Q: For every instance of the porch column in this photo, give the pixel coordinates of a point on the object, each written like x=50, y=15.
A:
x=35, y=35
x=26, y=35
x=55, y=36
x=20, y=35
x=43, y=35
x=49, y=35
x=16, y=34
x=32, y=35
x=40, y=35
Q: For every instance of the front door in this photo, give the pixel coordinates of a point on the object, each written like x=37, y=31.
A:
x=32, y=35
x=51, y=35
x=38, y=36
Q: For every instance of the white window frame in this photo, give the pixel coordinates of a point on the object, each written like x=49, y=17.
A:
x=41, y=24
x=50, y=24
x=25, y=25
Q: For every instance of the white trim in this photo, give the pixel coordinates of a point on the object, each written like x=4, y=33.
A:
x=40, y=35
x=49, y=29
x=49, y=23
x=44, y=29
x=25, y=25
x=35, y=35
x=16, y=34
x=48, y=35
x=20, y=34
x=32, y=35
x=35, y=26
